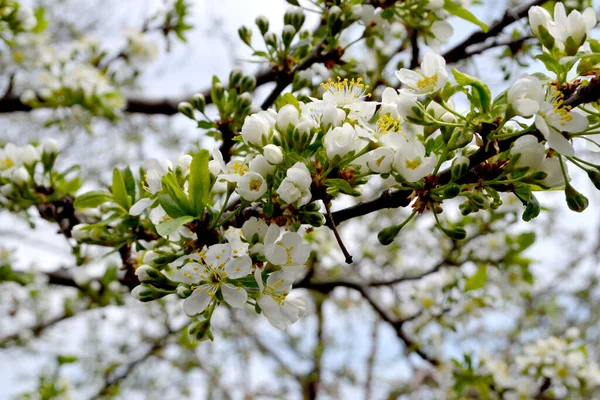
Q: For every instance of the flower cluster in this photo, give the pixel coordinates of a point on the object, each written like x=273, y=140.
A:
x=83, y=86
x=26, y=173
x=561, y=361
x=256, y=266
x=16, y=17
x=222, y=227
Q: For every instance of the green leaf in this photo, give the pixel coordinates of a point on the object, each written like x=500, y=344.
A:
x=177, y=195
x=477, y=280
x=525, y=240
x=343, y=186
x=260, y=54
x=479, y=87
x=66, y=359
x=288, y=98
x=119, y=191
x=129, y=183
x=199, y=182
x=532, y=209
x=42, y=22
x=550, y=63
x=460, y=12
x=205, y=124
x=111, y=274
x=8, y=275
x=169, y=227
x=169, y=205
x=92, y=199
x=388, y=13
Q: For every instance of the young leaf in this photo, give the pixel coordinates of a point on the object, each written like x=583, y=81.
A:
x=483, y=91
x=177, y=195
x=477, y=280
x=169, y=205
x=460, y=12
x=168, y=227
x=129, y=183
x=532, y=209
x=199, y=182
x=92, y=199
x=119, y=191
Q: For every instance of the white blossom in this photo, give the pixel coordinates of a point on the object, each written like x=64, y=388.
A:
x=280, y=310
x=273, y=154
x=340, y=141
x=218, y=265
x=411, y=163
x=431, y=78
x=251, y=186
x=531, y=152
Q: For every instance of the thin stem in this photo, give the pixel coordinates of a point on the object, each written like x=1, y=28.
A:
x=563, y=170
x=441, y=160
x=451, y=111
x=229, y=217
x=336, y=233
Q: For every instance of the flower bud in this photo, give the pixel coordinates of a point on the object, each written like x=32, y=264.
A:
x=29, y=155
x=200, y=331
x=263, y=24
x=315, y=219
x=333, y=15
x=247, y=84
x=457, y=233
x=50, y=146
x=78, y=233
x=451, y=191
x=183, y=291
x=198, y=101
x=287, y=35
x=387, y=235
x=235, y=77
x=186, y=109
x=147, y=274
x=217, y=92
x=244, y=101
x=575, y=200
x=245, y=34
x=460, y=165
x=466, y=208
x=287, y=115
x=255, y=129
x=146, y=292
x=594, y=177
x=6, y=190
x=304, y=34
x=19, y=175
x=478, y=200
x=150, y=256
x=270, y=39
x=273, y=154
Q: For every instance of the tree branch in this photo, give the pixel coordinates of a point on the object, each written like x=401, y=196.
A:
x=460, y=51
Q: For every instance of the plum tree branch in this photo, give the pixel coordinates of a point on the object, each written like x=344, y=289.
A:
x=460, y=51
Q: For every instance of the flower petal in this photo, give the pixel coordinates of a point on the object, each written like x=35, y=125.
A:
x=197, y=302
x=140, y=206
x=559, y=143
x=236, y=297
x=239, y=267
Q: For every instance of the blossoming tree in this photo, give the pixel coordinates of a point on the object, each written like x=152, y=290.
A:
x=384, y=192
